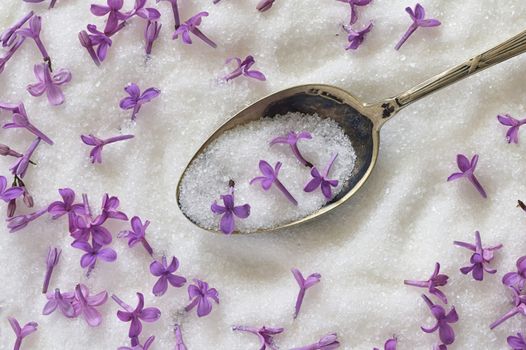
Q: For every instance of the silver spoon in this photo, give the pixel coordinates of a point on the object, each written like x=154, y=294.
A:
x=361, y=121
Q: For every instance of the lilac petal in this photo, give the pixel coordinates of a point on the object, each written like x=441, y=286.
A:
x=115, y=4
x=312, y=184
x=477, y=185
x=150, y=94
x=157, y=269
x=87, y=260
x=128, y=103
x=50, y=306
x=446, y=334
x=12, y=193
x=242, y=211
x=160, y=286
x=176, y=281
x=507, y=120
x=204, y=307
x=150, y=314
x=420, y=12
x=455, y=176
x=463, y=163
x=85, y=246
x=135, y=328
x=36, y=89
x=107, y=255
x=133, y=90
x=227, y=223
x=256, y=75
x=55, y=95
x=390, y=344
x=92, y=316
x=99, y=10
x=265, y=168
x=429, y=22
x=326, y=189
x=98, y=299
x=101, y=235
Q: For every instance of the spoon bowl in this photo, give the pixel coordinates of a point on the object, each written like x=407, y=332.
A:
x=360, y=121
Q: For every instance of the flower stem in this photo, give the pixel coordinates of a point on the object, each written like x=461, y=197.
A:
x=505, y=317
x=147, y=246
x=406, y=36
x=176, y=14
x=421, y=284
x=47, y=278
x=18, y=343
x=283, y=190
x=329, y=165
x=299, y=301
x=203, y=37
x=296, y=151
x=52, y=4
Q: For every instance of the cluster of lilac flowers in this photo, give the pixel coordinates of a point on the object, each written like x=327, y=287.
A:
x=48, y=81
x=270, y=178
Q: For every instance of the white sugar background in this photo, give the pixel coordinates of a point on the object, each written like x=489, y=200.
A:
x=396, y=227
x=235, y=156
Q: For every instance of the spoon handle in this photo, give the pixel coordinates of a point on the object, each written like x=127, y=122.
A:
x=502, y=52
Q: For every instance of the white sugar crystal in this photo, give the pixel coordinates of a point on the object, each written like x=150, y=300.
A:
x=235, y=155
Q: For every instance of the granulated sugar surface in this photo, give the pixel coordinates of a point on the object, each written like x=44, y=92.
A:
x=235, y=156
x=397, y=226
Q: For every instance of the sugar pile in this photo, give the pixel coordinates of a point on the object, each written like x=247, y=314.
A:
x=235, y=156
x=403, y=220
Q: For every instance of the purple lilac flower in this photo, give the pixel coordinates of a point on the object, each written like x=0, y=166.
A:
x=136, y=99
x=96, y=152
x=33, y=32
x=16, y=223
x=292, y=139
x=93, y=252
x=418, y=17
x=21, y=332
x=87, y=304
x=513, y=132
x=270, y=177
x=8, y=36
x=321, y=180
x=147, y=13
x=49, y=84
x=467, y=170
x=165, y=273
x=243, y=68
x=304, y=284
x=516, y=279
x=97, y=39
x=146, y=345
x=179, y=343
x=53, y=257
x=8, y=194
x=20, y=167
x=113, y=11
x=436, y=280
x=354, y=4
x=327, y=342
x=517, y=342
x=151, y=33
x=480, y=257
x=137, y=234
x=229, y=210
x=190, y=26
x=9, y=54
x=265, y=335
x=5, y=151
x=200, y=293
x=445, y=331
x=356, y=38
x=175, y=10
x=390, y=344
x=110, y=207
x=85, y=225
x=135, y=316
x=264, y=5
x=519, y=302
x=21, y=120
x=66, y=206
x=62, y=301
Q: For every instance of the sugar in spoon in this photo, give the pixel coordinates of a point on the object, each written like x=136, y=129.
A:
x=360, y=121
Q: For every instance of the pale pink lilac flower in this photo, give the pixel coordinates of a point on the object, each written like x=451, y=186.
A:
x=479, y=258
x=356, y=38
x=179, y=343
x=98, y=144
x=190, y=26
x=270, y=177
x=467, y=169
x=390, y=344
x=436, y=280
x=20, y=167
x=53, y=257
x=229, y=210
x=304, y=284
x=175, y=11
x=21, y=120
x=517, y=342
x=166, y=274
x=321, y=179
x=243, y=68
x=113, y=10
x=264, y=5
x=49, y=84
x=519, y=307
x=136, y=99
x=16, y=223
x=93, y=252
x=516, y=279
x=33, y=32
x=8, y=194
x=151, y=33
x=292, y=139
x=264, y=334
x=513, y=132
x=86, y=304
x=135, y=316
x=418, y=16
x=137, y=234
x=64, y=302
x=199, y=293
x=445, y=331
x=354, y=4
x=9, y=36
x=327, y=342
x=138, y=346
x=21, y=332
